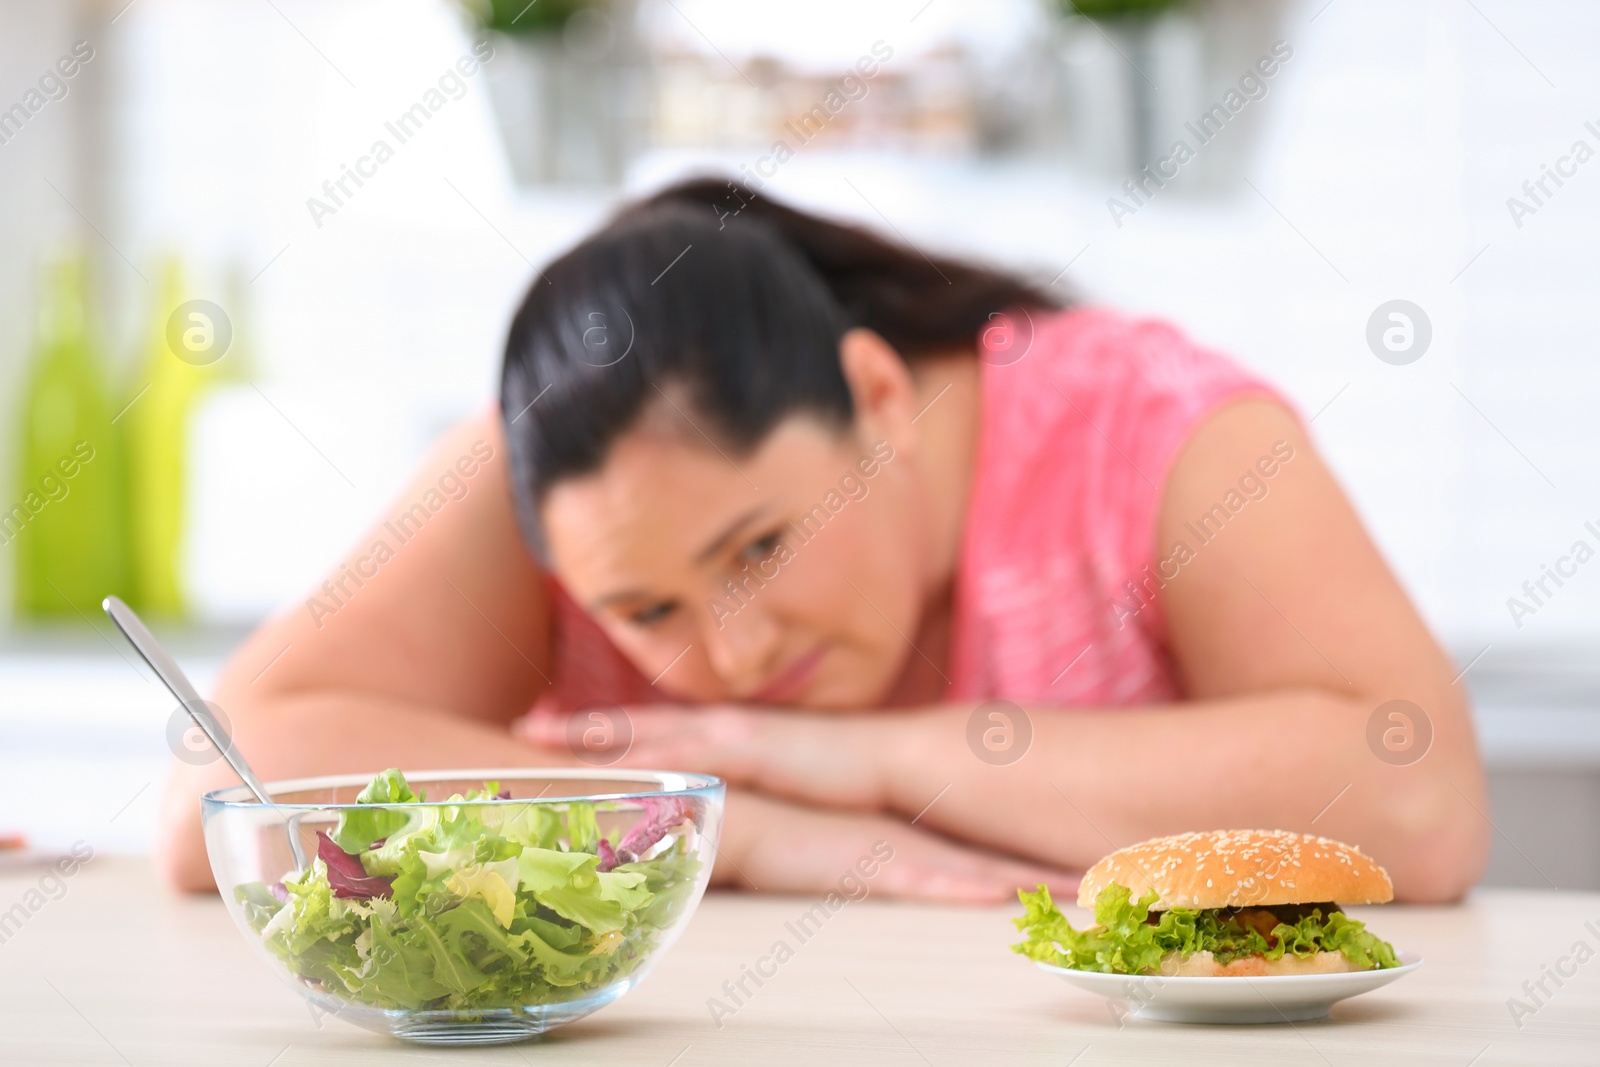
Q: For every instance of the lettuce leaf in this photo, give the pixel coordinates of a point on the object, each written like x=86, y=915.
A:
x=402, y=971
x=346, y=874
x=1340, y=933
x=473, y=905
x=1125, y=941
x=662, y=814
x=357, y=829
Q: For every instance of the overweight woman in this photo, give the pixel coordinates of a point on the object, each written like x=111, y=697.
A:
x=902, y=548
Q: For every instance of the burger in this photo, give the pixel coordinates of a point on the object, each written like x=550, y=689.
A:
x=1223, y=903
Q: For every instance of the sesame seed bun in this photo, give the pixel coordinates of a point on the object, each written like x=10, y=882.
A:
x=1239, y=869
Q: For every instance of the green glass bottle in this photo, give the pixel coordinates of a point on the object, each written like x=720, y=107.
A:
x=66, y=518
x=184, y=339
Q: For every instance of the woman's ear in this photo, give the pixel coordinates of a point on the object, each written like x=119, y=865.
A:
x=881, y=385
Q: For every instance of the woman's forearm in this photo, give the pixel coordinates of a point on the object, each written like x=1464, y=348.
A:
x=300, y=734
x=777, y=846
x=1066, y=786
x=1090, y=781
x=767, y=844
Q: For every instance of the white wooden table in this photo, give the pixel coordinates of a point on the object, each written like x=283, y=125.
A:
x=120, y=971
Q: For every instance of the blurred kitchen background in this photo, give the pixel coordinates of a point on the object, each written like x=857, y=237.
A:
x=203, y=179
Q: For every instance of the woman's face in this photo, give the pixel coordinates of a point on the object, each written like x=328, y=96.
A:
x=792, y=575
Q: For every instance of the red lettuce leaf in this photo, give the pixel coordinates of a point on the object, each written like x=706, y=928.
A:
x=346, y=875
x=661, y=815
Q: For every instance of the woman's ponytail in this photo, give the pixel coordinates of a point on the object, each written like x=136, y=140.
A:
x=920, y=304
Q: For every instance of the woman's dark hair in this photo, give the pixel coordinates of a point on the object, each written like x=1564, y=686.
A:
x=735, y=301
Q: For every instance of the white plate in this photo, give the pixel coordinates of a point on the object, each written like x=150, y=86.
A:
x=1274, y=999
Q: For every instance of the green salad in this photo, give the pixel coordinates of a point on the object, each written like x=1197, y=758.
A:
x=476, y=906
x=1128, y=939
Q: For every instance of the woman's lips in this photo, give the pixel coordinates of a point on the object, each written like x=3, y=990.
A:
x=791, y=681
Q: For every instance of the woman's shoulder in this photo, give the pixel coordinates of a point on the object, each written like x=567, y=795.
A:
x=1138, y=384
x=1080, y=431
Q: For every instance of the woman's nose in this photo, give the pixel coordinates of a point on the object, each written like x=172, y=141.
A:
x=742, y=644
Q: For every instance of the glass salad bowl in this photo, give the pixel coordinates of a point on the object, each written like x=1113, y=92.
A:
x=465, y=907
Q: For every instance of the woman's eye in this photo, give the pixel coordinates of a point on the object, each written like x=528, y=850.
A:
x=756, y=551
x=653, y=614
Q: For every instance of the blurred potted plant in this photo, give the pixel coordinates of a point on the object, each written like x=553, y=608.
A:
x=1133, y=73
x=1129, y=98
x=567, y=86
x=1116, y=9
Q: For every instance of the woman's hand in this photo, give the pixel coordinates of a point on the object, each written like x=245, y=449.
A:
x=835, y=761
x=778, y=847
x=817, y=761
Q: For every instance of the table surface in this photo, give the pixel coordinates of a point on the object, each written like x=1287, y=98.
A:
x=118, y=970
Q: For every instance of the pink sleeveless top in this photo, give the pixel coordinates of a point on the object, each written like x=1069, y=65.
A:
x=1080, y=426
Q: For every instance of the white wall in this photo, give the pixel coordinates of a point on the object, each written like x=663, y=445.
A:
x=1388, y=146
